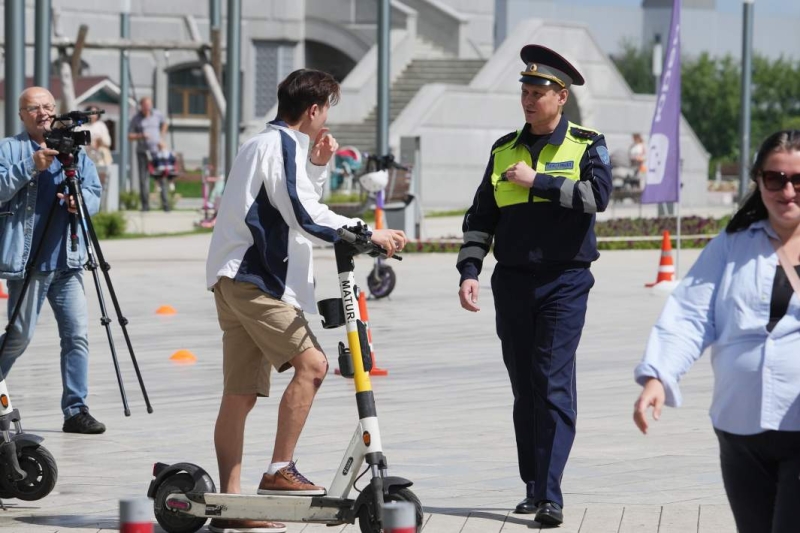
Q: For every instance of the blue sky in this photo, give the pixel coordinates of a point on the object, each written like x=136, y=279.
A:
x=772, y=7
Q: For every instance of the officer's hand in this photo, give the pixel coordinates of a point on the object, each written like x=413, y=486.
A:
x=522, y=174
x=324, y=148
x=652, y=395
x=43, y=157
x=391, y=240
x=72, y=208
x=468, y=294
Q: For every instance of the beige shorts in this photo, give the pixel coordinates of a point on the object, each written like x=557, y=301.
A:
x=258, y=332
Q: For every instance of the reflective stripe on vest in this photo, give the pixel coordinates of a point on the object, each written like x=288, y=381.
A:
x=563, y=160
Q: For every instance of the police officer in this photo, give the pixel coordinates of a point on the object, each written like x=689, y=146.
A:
x=537, y=201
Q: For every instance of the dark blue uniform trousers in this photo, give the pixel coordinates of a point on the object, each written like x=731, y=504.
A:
x=539, y=321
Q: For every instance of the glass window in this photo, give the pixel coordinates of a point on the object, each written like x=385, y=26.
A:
x=274, y=61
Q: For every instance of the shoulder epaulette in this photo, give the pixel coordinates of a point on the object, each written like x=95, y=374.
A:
x=504, y=139
x=583, y=134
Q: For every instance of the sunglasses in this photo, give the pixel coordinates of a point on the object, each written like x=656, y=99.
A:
x=776, y=181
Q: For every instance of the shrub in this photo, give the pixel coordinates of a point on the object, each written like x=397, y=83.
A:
x=129, y=200
x=619, y=227
x=109, y=224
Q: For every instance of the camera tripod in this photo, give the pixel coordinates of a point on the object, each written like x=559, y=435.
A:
x=81, y=221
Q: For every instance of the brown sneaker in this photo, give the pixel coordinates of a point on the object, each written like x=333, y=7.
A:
x=220, y=525
x=289, y=482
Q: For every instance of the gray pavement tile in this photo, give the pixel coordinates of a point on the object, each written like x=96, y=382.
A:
x=640, y=519
x=716, y=519
x=600, y=519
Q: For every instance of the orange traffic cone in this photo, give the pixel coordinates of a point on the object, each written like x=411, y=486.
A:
x=666, y=268
x=362, y=310
x=3, y=293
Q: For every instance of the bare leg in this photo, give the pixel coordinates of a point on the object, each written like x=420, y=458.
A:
x=229, y=439
x=310, y=368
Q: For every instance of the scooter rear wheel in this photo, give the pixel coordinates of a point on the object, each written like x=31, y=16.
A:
x=367, y=519
x=175, y=521
x=42, y=473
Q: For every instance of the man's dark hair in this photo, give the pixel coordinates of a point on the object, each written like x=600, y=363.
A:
x=303, y=88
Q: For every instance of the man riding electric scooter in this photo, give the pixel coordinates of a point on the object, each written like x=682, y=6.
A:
x=260, y=269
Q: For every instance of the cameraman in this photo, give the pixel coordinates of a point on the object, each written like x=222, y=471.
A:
x=31, y=180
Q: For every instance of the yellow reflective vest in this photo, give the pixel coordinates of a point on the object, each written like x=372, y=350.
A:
x=562, y=160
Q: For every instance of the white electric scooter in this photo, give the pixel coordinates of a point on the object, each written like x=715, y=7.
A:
x=28, y=470
x=185, y=495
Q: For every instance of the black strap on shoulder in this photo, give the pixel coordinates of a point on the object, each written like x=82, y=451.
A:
x=504, y=139
x=582, y=133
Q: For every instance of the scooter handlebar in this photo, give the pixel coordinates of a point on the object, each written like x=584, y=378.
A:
x=361, y=241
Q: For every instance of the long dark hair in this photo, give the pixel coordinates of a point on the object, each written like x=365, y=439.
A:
x=753, y=208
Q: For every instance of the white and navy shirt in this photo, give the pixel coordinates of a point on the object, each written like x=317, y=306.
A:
x=269, y=215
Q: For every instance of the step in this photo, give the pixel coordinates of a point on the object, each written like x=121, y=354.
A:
x=418, y=74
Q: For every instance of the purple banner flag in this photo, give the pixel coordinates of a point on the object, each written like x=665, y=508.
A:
x=663, y=151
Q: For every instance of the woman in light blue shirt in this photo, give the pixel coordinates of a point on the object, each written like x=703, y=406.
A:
x=737, y=300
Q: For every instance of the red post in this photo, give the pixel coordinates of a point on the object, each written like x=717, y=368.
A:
x=135, y=516
x=399, y=517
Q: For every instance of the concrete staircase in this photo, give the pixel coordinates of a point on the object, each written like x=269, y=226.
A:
x=420, y=71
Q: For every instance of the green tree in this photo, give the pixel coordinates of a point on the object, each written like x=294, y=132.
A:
x=636, y=66
x=711, y=96
x=710, y=101
x=776, y=102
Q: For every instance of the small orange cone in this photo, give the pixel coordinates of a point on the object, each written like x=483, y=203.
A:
x=166, y=310
x=3, y=293
x=362, y=310
x=183, y=357
x=666, y=267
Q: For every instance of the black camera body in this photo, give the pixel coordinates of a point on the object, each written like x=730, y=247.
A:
x=66, y=140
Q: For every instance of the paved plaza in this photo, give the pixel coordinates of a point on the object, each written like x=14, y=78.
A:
x=444, y=408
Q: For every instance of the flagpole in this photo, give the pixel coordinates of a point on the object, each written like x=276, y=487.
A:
x=678, y=215
x=747, y=76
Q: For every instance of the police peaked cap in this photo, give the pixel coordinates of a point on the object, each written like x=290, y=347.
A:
x=545, y=67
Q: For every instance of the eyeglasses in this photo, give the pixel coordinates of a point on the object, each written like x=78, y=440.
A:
x=32, y=109
x=776, y=181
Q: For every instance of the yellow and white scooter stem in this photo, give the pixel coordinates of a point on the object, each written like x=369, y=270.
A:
x=365, y=445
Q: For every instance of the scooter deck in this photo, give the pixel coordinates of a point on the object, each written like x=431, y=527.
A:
x=319, y=509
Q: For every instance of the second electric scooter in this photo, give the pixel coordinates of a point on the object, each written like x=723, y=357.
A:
x=185, y=495
x=27, y=470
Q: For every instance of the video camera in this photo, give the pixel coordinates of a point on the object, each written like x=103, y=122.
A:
x=64, y=138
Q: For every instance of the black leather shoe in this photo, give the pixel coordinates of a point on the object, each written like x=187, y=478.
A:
x=549, y=514
x=84, y=423
x=526, y=506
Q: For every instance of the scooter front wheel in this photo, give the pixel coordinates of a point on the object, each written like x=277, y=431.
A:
x=42, y=473
x=381, y=281
x=171, y=520
x=367, y=517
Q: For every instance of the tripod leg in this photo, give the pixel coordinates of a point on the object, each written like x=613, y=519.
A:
x=91, y=265
x=105, y=267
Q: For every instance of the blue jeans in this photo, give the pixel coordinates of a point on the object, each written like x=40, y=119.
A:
x=64, y=290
